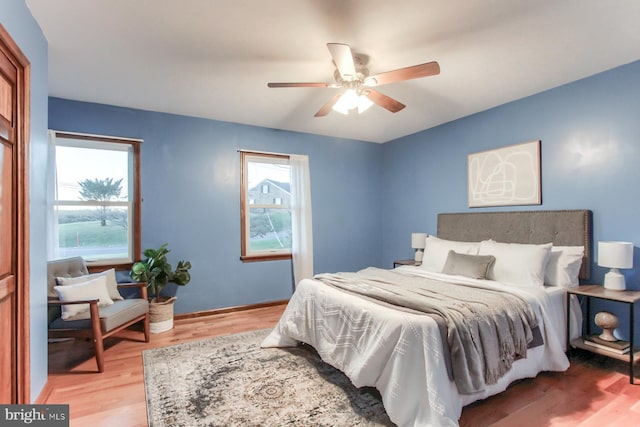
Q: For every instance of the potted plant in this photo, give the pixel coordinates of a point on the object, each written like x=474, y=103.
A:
x=157, y=272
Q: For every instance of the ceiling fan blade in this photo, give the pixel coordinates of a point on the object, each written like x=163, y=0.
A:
x=385, y=101
x=302, y=85
x=343, y=58
x=408, y=73
x=326, y=108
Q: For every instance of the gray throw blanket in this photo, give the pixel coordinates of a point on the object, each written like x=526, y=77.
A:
x=487, y=330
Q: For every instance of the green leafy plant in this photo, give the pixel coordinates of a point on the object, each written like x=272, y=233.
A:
x=157, y=272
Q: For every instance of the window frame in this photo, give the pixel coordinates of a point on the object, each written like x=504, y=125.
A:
x=245, y=254
x=135, y=203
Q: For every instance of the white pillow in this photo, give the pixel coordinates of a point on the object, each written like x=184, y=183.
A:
x=437, y=250
x=564, y=265
x=90, y=289
x=517, y=264
x=112, y=283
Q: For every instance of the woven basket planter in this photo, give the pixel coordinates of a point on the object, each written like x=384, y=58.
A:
x=161, y=315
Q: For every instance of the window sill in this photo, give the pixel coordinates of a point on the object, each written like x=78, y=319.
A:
x=97, y=268
x=270, y=257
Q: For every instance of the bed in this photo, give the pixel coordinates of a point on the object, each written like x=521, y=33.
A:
x=405, y=352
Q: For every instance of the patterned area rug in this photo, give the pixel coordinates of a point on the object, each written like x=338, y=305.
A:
x=231, y=381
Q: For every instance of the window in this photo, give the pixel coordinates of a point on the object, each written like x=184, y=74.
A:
x=265, y=207
x=96, y=200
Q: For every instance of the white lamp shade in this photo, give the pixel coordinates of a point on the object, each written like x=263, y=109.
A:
x=615, y=254
x=418, y=240
x=350, y=100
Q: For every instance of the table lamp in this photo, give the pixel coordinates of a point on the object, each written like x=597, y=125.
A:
x=615, y=255
x=418, y=242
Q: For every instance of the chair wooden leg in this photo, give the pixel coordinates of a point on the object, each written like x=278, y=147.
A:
x=146, y=326
x=97, y=336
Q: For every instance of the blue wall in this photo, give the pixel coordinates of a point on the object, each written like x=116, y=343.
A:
x=191, y=197
x=589, y=132
x=590, y=135
x=16, y=18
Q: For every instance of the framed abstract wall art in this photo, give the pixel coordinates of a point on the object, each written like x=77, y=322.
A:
x=506, y=176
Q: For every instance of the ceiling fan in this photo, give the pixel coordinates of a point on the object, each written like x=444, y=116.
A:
x=357, y=85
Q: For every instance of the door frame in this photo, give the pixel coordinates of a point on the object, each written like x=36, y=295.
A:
x=23, y=114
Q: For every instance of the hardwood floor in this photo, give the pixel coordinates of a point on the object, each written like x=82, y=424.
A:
x=595, y=391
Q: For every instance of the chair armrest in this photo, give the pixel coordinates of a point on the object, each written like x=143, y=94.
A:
x=84, y=301
x=132, y=285
x=94, y=312
x=141, y=285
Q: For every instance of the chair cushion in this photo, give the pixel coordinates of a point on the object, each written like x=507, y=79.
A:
x=88, y=289
x=69, y=267
x=111, y=316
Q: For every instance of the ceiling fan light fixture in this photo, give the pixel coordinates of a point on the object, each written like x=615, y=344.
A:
x=364, y=103
x=348, y=101
x=353, y=77
x=351, y=100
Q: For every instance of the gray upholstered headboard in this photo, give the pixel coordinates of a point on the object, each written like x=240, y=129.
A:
x=562, y=228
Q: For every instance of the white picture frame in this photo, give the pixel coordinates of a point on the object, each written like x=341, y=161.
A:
x=507, y=176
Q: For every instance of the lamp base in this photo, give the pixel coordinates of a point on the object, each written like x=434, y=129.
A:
x=608, y=322
x=614, y=280
x=419, y=255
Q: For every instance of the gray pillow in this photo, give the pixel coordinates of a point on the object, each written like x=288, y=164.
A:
x=474, y=266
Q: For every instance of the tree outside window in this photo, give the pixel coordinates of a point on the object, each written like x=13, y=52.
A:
x=101, y=190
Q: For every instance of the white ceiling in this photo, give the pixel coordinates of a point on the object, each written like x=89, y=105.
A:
x=213, y=59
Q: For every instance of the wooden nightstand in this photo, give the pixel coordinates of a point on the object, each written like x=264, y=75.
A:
x=405, y=262
x=597, y=291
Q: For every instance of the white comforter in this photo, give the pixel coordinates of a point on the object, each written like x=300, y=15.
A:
x=400, y=353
